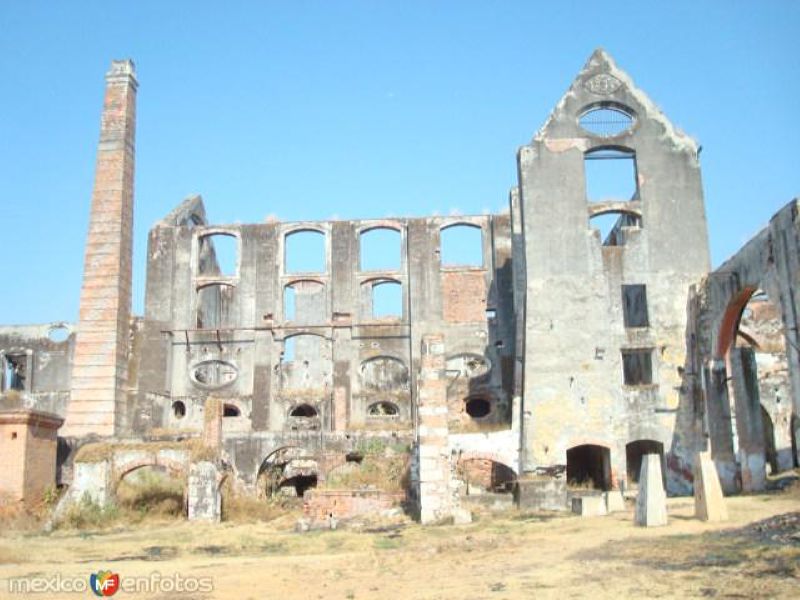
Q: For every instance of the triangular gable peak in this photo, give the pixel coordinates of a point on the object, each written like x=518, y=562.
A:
x=190, y=212
x=602, y=84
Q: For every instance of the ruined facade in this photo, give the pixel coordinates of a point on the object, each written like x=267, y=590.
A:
x=567, y=342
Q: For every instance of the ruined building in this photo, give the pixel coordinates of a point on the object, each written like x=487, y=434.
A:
x=586, y=331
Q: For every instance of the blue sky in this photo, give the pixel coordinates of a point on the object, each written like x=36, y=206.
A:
x=310, y=110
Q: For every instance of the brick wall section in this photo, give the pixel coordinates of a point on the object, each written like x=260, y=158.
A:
x=28, y=444
x=318, y=505
x=99, y=373
x=212, y=422
x=464, y=296
x=435, y=502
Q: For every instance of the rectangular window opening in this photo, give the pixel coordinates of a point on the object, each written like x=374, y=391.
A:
x=15, y=374
x=610, y=175
x=637, y=367
x=634, y=305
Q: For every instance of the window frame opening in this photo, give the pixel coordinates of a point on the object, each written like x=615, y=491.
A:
x=383, y=409
x=614, y=234
x=451, y=248
x=301, y=257
x=635, y=310
x=15, y=372
x=478, y=407
x=380, y=249
x=610, y=175
x=179, y=409
x=218, y=311
x=589, y=466
x=303, y=411
x=606, y=119
x=386, y=299
x=634, y=454
x=637, y=367
x=231, y=411
x=218, y=259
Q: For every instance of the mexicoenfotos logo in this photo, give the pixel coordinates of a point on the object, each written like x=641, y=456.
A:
x=104, y=583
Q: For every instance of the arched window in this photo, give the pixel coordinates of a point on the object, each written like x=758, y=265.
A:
x=383, y=409
x=218, y=254
x=387, y=299
x=304, y=251
x=305, y=411
x=606, y=120
x=231, y=410
x=461, y=246
x=214, y=306
x=611, y=175
x=380, y=249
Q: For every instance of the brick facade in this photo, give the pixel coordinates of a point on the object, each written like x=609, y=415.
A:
x=319, y=505
x=27, y=454
x=99, y=373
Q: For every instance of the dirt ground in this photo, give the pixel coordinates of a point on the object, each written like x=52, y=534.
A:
x=513, y=555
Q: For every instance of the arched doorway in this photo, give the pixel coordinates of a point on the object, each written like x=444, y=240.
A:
x=589, y=466
x=634, y=452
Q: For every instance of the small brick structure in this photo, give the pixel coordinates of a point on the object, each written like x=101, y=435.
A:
x=28, y=443
x=320, y=505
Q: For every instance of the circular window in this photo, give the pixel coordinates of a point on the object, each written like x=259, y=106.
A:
x=178, y=409
x=606, y=120
x=58, y=334
x=478, y=407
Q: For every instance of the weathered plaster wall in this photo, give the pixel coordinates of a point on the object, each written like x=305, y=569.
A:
x=574, y=333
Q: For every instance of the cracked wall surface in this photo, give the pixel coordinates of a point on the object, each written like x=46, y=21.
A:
x=583, y=324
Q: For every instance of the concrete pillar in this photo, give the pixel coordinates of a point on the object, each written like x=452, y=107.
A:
x=718, y=422
x=435, y=498
x=709, y=504
x=204, y=497
x=99, y=373
x=749, y=426
x=651, y=501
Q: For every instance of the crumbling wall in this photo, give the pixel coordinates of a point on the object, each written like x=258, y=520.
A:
x=306, y=350
x=733, y=382
x=39, y=359
x=593, y=373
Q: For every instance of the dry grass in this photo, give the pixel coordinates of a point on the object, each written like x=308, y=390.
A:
x=388, y=473
x=517, y=555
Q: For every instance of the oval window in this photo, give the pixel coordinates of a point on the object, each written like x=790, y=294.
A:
x=471, y=366
x=607, y=120
x=212, y=374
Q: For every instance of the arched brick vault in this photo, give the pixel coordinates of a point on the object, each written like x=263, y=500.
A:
x=769, y=262
x=464, y=457
x=121, y=467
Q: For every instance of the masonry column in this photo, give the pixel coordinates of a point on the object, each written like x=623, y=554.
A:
x=434, y=494
x=99, y=372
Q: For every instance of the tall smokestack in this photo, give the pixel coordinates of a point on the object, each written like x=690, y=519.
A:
x=99, y=371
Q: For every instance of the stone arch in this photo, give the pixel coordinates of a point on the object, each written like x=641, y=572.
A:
x=590, y=464
x=288, y=466
x=487, y=470
x=175, y=468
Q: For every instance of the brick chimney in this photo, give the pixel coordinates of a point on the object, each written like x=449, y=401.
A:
x=99, y=371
